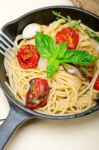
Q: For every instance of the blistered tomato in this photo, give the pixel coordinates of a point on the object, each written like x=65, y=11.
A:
x=28, y=56
x=68, y=35
x=96, y=85
x=38, y=93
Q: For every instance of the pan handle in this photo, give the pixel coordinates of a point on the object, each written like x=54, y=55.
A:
x=15, y=118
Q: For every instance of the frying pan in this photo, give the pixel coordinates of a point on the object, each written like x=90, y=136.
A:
x=18, y=113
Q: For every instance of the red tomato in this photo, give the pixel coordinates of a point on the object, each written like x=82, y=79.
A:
x=38, y=93
x=28, y=56
x=96, y=85
x=68, y=35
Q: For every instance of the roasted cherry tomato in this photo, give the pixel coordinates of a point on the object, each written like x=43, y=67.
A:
x=28, y=56
x=96, y=85
x=38, y=93
x=68, y=35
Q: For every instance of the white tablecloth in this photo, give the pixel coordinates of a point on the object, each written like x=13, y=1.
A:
x=76, y=134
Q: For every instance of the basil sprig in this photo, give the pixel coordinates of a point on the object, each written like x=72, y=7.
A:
x=67, y=19
x=92, y=35
x=59, y=54
x=58, y=15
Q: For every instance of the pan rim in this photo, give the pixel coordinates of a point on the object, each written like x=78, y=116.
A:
x=50, y=7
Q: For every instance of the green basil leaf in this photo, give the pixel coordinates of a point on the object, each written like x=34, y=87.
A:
x=52, y=66
x=61, y=50
x=58, y=54
x=92, y=35
x=45, y=45
x=78, y=57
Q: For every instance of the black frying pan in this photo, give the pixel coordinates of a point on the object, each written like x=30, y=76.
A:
x=19, y=113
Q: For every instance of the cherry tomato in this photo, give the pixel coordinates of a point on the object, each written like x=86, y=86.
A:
x=28, y=56
x=68, y=35
x=96, y=85
x=38, y=93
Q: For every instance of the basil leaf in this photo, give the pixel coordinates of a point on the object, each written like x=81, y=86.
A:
x=52, y=66
x=45, y=45
x=92, y=35
x=61, y=50
x=78, y=57
x=58, y=54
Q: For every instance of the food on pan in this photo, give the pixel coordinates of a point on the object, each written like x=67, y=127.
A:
x=55, y=69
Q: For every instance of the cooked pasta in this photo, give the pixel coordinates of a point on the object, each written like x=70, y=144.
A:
x=70, y=90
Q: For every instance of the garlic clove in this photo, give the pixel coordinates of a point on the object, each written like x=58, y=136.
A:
x=30, y=30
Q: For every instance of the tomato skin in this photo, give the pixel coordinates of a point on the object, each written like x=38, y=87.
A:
x=40, y=87
x=96, y=85
x=38, y=93
x=31, y=105
x=28, y=56
x=68, y=35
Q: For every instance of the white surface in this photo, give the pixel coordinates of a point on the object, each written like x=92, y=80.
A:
x=76, y=134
